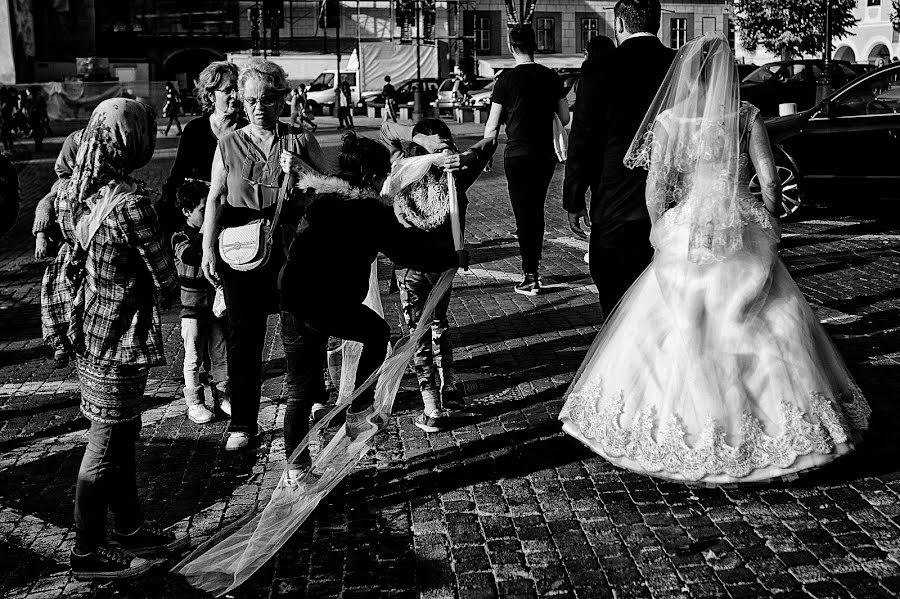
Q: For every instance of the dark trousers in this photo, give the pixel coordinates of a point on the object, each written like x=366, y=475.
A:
x=528, y=178
x=249, y=297
x=106, y=480
x=305, y=336
x=615, y=267
x=434, y=351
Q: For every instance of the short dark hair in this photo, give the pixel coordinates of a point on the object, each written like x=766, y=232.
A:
x=640, y=16
x=387, y=78
x=434, y=127
x=521, y=39
x=598, y=46
x=191, y=194
x=363, y=160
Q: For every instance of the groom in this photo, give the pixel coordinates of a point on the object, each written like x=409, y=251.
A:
x=613, y=98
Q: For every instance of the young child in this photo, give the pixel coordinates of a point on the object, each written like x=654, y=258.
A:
x=203, y=333
x=423, y=248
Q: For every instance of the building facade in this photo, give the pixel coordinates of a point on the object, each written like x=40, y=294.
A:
x=173, y=39
x=873, y=37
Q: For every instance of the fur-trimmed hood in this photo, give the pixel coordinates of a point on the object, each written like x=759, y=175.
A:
x=329, y=185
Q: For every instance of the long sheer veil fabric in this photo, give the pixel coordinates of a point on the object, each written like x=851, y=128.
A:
x=713, y=368
x=227, y=560
x=689, y=142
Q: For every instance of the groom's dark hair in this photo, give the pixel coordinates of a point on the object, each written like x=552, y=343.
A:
x=521, y=39
x=639, y=15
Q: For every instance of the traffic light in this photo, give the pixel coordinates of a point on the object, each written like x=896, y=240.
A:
x=273, y=14
x=330, y=14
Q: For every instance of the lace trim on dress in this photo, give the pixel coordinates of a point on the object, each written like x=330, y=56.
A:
x=598, y=417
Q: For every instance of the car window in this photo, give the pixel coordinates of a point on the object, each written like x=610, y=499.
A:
x=349, y=77
x=430, y=86
x=760, y=75
x=795, y=73
x=447, y=85
x=876, y=95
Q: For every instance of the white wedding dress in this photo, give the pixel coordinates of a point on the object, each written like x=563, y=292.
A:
x=715, y=372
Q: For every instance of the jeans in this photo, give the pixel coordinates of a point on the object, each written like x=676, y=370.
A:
x=106, y=479
x=434, y=351
x=304, y=336
x=528, y=179
x=204, y=337
x=249, y=297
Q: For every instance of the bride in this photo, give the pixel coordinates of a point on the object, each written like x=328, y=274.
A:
x=713, y=368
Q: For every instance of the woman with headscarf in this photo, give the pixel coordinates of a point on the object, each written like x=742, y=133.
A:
x=247, y=185
x=117, y=277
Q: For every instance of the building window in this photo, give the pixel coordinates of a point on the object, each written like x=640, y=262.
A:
x=874, y=3
x=709, y=25
x=678, y=31
x=482, y=34
x=590, y=28
x=546, y=38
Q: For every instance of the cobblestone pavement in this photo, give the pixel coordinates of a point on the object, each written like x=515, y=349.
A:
x=504, y=505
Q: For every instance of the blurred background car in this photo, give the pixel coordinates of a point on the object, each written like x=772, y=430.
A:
x=846, y=146
x=405, y=92
x=792, y=81
x=452, y=92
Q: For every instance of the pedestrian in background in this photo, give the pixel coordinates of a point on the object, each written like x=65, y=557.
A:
x=37, y=116
x=172, y=107
x=345, y=106
x=390, y=100
x=526, y=98
x=246, y=180
x=118, y=277
x=202, y=332
x=8, y=108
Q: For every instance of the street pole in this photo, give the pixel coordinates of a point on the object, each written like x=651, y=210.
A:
x=825, y=82
x=418, y=100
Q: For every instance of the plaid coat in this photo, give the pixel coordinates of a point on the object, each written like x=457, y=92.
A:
x=110, y=314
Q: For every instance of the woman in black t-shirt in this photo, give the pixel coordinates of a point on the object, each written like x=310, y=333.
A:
x=526, y=98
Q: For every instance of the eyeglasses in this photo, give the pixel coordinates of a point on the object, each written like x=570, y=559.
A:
x=264, y=101
x=227, y=90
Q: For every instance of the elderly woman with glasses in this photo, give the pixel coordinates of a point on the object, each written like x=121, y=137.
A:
x=247, y=173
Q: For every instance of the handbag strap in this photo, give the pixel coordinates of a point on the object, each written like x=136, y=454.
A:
x=286, y=185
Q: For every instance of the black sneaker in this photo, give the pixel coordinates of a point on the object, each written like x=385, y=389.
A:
x=454, y=404
x=432, y=424
x=151, y=540
x=530, y=285
x=108, y=563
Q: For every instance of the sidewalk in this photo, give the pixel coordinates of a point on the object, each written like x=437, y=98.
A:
x=505, y=505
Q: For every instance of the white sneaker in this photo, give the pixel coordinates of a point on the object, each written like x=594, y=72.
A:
x=237, y=441
x=199, y=413
x=225, y=406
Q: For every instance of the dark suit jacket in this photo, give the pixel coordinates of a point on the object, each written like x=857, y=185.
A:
x=613, y=98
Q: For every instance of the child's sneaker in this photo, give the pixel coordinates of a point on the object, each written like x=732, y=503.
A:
x=454, y=404
x=237, y=441
x=107, y=563
x=199, y=413
x=225, y=407
x=434, y=423
x=61, y=357
x=151, y=540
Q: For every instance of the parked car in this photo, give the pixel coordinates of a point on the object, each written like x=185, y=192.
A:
x=745, y=69
x=846, y=145
x=482, y=97
x=452, y=92
x=404, y=93
x=790, y=81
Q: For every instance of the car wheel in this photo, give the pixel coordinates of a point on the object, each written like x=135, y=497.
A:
x=791, y=191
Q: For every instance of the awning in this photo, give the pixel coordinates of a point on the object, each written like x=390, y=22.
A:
x=489, y=66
